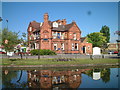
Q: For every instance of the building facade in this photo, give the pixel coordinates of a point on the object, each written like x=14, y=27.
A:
x=113, y=46
x=57, y=36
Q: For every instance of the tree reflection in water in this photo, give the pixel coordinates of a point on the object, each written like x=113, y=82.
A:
x=8, y=76
x=104, y=73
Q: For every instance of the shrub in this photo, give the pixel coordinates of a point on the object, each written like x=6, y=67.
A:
x=42, y=52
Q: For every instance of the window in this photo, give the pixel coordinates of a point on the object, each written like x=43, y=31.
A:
x=45, y=39
x=55, y=46
x=54, y=34
x=30, y=37
x=62, y=35
x=62, y=46
x=30, y=29
x=74, y=36
x=58, y=35
x=88, y=47
x=55, y=24
x=72, y=46
x=76, y=46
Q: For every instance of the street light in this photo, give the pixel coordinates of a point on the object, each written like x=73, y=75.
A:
x=6, y=21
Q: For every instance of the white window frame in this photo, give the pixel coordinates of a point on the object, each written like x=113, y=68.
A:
x=62, y=35
x=74, y=36
x=30, y=29
x=88, y=47
x=54, y=46
x=73, y=46
x=54, y=34
x=76, y=44
x=62, y=46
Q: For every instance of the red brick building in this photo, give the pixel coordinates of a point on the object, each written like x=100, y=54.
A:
x=57, y=36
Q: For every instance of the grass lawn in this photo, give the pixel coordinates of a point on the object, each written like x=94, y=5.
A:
x=55, y=62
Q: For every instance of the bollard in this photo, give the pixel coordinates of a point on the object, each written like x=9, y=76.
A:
x=91, y=57
x=103, y=56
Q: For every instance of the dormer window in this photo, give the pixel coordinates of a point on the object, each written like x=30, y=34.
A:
x=55, y=24
x=30, y=29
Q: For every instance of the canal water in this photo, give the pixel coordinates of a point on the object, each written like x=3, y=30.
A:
x=60, y=78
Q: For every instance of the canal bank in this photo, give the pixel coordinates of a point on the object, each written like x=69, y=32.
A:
x=75, y=65
x=57, y=62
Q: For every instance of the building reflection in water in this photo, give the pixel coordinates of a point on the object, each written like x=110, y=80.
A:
x=55, y=79
x=52, y=79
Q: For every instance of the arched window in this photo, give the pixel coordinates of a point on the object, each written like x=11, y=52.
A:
x=45, y=31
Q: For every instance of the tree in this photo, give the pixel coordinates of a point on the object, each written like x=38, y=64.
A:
x=106, y=32
x=9, y=39
x=23, y=39
x=97, y=39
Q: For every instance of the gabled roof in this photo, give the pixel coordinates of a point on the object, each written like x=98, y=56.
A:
x=62, y=27
x=82, y=39
x=35, y=24
x=66, y=27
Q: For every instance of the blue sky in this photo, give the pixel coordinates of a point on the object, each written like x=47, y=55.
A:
x=89, y=16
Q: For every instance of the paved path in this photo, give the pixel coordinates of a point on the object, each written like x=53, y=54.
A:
x=64, y=56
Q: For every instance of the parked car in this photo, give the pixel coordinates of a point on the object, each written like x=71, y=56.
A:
x=111, y=52
x=119, y=54
x=115, y=52
x=1, y=52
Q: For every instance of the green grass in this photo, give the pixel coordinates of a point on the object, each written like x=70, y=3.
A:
x=52, y=62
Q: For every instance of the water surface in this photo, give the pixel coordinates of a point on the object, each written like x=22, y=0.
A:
x=60, y=78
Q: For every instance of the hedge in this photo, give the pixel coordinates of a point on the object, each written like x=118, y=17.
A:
x=42, y=52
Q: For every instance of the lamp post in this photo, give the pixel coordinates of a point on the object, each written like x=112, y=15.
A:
x=6, y=21
x=39, y=47
x=39, y=52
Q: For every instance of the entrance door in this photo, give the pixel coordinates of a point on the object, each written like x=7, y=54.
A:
x=84, y=49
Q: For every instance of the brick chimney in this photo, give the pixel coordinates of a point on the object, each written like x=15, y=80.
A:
x=64, y=22
x=46, y=17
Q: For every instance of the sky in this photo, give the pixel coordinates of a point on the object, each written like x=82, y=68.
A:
x=89, y=16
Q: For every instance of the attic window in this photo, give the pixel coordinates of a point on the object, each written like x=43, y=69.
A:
x=30, y=29
x=55, y=24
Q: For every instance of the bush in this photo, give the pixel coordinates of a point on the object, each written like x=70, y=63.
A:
x=42, y=52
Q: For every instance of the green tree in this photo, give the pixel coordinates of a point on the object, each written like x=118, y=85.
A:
x=97, y=39
x=23, y=39
x=11, y=37
x=106, y=32
x=24, y=36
